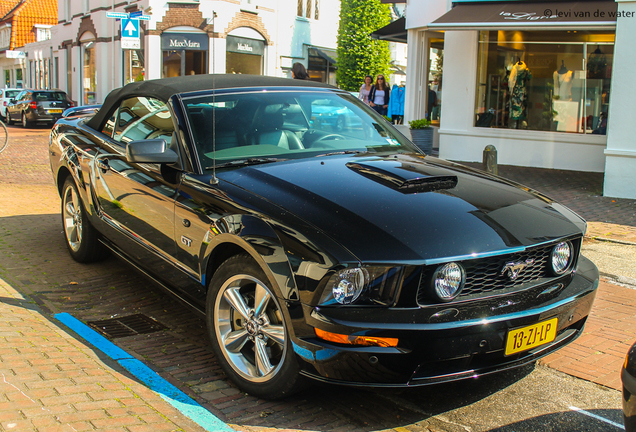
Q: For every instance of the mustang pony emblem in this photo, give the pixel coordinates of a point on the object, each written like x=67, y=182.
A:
x=514, y=268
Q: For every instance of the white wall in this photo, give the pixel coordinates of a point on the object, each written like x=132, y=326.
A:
x=620, y=162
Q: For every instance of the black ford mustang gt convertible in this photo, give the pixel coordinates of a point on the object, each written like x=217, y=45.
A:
x=340, y=254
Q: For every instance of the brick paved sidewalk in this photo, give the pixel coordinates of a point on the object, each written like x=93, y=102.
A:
x=598, y=354
x=52, y=382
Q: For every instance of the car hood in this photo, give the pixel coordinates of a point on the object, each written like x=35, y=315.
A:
x=408, y=208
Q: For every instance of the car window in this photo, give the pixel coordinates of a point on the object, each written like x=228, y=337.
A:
x=143, y=118
x=9, y=94
x=49, y=96
x=286, y=124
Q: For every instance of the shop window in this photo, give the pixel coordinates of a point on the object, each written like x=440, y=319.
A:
x=89, y=77
x=545, y=81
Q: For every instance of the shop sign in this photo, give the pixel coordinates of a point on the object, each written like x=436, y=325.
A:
x=244, y=45
x=185, y=41
x=15, y=54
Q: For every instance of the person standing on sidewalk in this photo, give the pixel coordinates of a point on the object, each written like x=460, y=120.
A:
x=365, y=89
x=379, y=96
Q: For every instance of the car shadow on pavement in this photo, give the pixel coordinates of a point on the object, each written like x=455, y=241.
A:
x=35, y=262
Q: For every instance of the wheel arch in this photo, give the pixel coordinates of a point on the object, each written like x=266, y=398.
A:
x=238, y=234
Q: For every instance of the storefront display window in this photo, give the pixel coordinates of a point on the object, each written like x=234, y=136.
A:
x=184, y=54
x=89, y=84
x=544, y=80
x=244, y=55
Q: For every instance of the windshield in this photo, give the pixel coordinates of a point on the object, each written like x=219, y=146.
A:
x=11, y=94
x=286, y=125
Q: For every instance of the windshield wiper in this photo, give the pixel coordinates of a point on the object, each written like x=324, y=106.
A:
x=341, y=153
x=245, y=162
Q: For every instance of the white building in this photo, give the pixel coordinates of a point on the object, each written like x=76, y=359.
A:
x=185, y=37
x=547, y=83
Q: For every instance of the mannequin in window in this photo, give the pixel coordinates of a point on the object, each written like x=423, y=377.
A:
x=520, y=75
x=563, y=83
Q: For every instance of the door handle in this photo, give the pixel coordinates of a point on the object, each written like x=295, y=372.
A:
x=103, y=164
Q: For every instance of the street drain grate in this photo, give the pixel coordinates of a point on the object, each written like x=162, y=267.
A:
x=130, y=325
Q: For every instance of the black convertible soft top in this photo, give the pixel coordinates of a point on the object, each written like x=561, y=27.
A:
x=164, y=88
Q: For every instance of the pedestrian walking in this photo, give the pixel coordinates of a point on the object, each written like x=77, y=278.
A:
x=299, y=72
x=379, y=95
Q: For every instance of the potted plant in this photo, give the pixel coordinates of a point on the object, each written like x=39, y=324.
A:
x=422, y=134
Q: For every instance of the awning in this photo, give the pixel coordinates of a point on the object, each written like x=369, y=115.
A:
x=581, y=15
x=394, y=32
x=313, y=51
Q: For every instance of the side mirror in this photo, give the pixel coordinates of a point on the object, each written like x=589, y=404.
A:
x=12, y=100
x=150, y=151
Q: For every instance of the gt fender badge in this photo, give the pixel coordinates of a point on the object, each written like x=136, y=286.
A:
x=186, y=241
x=514, y=268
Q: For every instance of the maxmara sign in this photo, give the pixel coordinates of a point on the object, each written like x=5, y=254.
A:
x=185, y=41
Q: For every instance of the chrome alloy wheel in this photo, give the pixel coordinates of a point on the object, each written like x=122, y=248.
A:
x=249, y=328
x=72, y=218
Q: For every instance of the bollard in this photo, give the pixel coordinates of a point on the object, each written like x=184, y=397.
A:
x=490, y=159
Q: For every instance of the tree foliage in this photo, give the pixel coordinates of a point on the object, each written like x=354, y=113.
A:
x=358, y=53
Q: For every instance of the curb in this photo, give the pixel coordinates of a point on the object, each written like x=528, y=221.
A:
x=610, y=240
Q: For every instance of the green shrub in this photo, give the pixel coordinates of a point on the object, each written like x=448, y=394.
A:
x=419, y=124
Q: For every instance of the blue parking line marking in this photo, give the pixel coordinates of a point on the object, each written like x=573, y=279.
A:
x=175, y=397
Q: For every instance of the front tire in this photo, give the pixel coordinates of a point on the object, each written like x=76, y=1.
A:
x=248, y=331
x=81, y=237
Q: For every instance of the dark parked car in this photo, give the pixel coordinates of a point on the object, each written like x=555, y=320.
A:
x=628, y=376
x=349, y=257
x=37, y=106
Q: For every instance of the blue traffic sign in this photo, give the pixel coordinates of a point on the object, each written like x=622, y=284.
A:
x=130, y=28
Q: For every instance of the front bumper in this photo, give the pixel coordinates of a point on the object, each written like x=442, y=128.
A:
x=430, y=351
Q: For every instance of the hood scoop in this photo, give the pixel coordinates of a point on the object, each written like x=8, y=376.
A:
x=403, y=177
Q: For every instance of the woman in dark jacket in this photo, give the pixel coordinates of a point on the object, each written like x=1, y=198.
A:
x=379, y=95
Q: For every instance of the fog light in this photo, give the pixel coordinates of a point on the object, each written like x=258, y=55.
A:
x=561, y=257
x=449, y=281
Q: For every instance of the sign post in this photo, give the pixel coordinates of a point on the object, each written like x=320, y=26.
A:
x=129, y=28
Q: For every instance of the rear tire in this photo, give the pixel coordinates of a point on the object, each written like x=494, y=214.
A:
x=249, y=335
x=25, y=122
x=81, y=237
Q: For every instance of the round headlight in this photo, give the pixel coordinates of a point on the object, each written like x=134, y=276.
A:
x=561, y=257
x=349, y=286
x=448, y=281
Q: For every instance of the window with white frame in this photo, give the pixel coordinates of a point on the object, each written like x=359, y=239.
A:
x=308, y=9
x=42, y=32
x=5, y=36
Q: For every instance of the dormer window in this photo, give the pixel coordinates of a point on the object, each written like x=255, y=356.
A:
x=42, y=32
x=5, y=36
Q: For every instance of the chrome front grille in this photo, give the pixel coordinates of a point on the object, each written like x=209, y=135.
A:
x=485, y=276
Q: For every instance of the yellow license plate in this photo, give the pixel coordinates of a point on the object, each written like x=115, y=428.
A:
x=526, y=338
x=55, y=111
